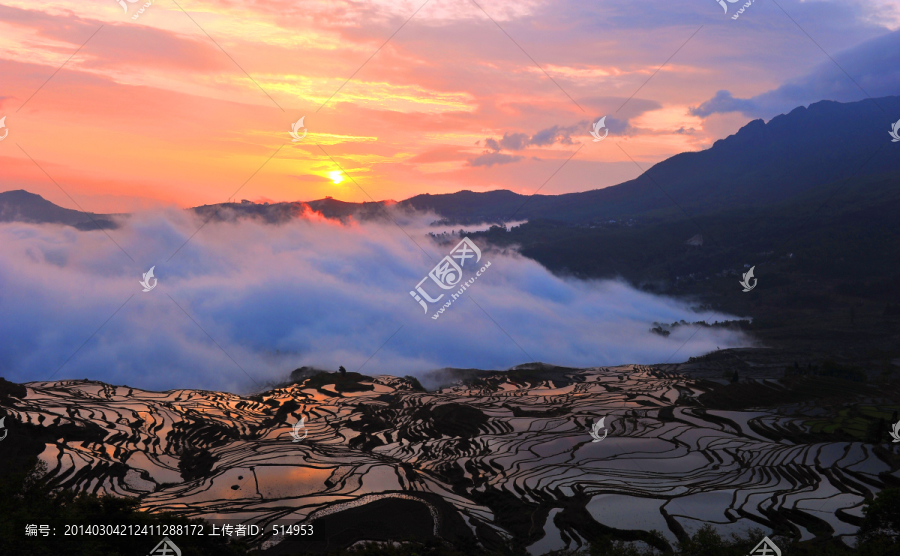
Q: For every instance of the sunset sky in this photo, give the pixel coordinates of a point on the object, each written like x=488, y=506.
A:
x=150, y=111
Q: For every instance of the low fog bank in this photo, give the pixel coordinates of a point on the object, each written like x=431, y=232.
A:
x=311, y=292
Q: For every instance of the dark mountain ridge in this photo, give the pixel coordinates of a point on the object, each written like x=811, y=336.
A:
x=763, y=163
x=21, y=206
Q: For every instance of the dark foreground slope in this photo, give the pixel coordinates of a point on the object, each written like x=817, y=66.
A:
x=827, y=263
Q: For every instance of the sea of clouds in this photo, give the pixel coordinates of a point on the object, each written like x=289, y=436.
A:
x=243, y=303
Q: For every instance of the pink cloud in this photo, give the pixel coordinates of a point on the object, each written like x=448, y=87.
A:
x=155, y=110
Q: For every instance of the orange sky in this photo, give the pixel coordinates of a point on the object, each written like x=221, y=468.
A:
x=151, y=111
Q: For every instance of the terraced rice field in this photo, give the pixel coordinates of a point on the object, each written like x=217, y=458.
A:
x=489, y=463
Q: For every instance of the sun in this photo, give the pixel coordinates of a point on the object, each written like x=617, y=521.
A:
x=336, y=177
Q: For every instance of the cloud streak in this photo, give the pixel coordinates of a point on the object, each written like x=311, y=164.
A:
x=872, y=69
x=309, y=292
x=547, y=137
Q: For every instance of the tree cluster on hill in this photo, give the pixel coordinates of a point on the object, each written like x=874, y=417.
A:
x=664, y=329
x=828, y=369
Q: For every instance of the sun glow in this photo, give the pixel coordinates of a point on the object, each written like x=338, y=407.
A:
x=336, y=177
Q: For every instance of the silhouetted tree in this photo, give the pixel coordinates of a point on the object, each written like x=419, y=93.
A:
x=882, y=522
x=342, y=370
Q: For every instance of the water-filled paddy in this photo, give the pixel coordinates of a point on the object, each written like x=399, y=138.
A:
x=506, y=437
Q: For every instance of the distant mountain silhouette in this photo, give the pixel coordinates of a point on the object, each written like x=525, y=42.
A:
x=275, y=213
x=762, y=164
x=21, y=206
